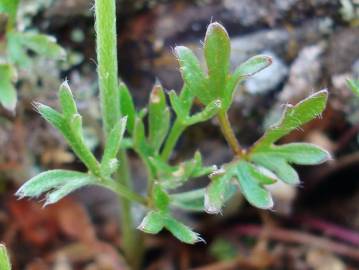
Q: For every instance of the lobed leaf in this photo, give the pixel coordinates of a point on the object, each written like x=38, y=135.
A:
x=55, y=184
x=158, y=118
x=293, y=117
x=250, y=187
x=4, y=258
x=7, y=91
x=217, y=50
x=279, y=166
x=298, y=153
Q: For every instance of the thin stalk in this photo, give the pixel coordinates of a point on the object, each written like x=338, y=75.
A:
x=105, y=12
x=132, y=240
x=228, y=133
x=176, y=131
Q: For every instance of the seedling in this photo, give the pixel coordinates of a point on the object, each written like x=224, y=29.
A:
x=17, y=45
x=250, y=171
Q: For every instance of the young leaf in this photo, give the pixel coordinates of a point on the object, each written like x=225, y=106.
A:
x=55, y=184
x=254, y=192
x=298, y=153
x=43, y=45
x=279, y=166
x=127, y=106
x=152, y=223
x=181, y=231
x=177, y=105
x=113, y=144
x=193, y=76
x=68, y=104
x=217, y=50
x=158, y=118
x=7, y=91
x=4, y=258
x=293, y=118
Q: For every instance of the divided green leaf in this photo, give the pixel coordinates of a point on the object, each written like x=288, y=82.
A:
x=55, y=184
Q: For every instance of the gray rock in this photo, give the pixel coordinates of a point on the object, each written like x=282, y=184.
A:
x=304, y=74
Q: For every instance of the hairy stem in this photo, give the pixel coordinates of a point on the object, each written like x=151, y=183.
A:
x=105, y=12
x=108, y=81
x=176, y=131
x=228, y=133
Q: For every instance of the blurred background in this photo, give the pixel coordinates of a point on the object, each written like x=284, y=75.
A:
x=314, y=45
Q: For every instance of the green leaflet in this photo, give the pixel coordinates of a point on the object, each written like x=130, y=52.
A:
x=208, y=112
x=152, y=223
x=217, y=50
x=67, y=102
x=4, y=258
x=158, y=118
x=251, y=188
x=216, y=191
x=127, y=106
x=279, y=166
x=193, y=75
x=155, y=221
x=16, y=52
x=191, y=200
x=109, y=162
x=354, y=86
x=293, y=118
x=161, y=198
x=7, y=91
x=56, y=184
x=298, y=153
x=41, y=44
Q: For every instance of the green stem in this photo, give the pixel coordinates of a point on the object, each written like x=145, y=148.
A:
x=132, y=240
x=108, y=82
x=176, y=131
x=228, y=133
x=105, y=12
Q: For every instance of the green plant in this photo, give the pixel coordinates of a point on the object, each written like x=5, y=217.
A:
x=14, y=52
x=4, y=259
x=124, y=128
x=354, y=86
